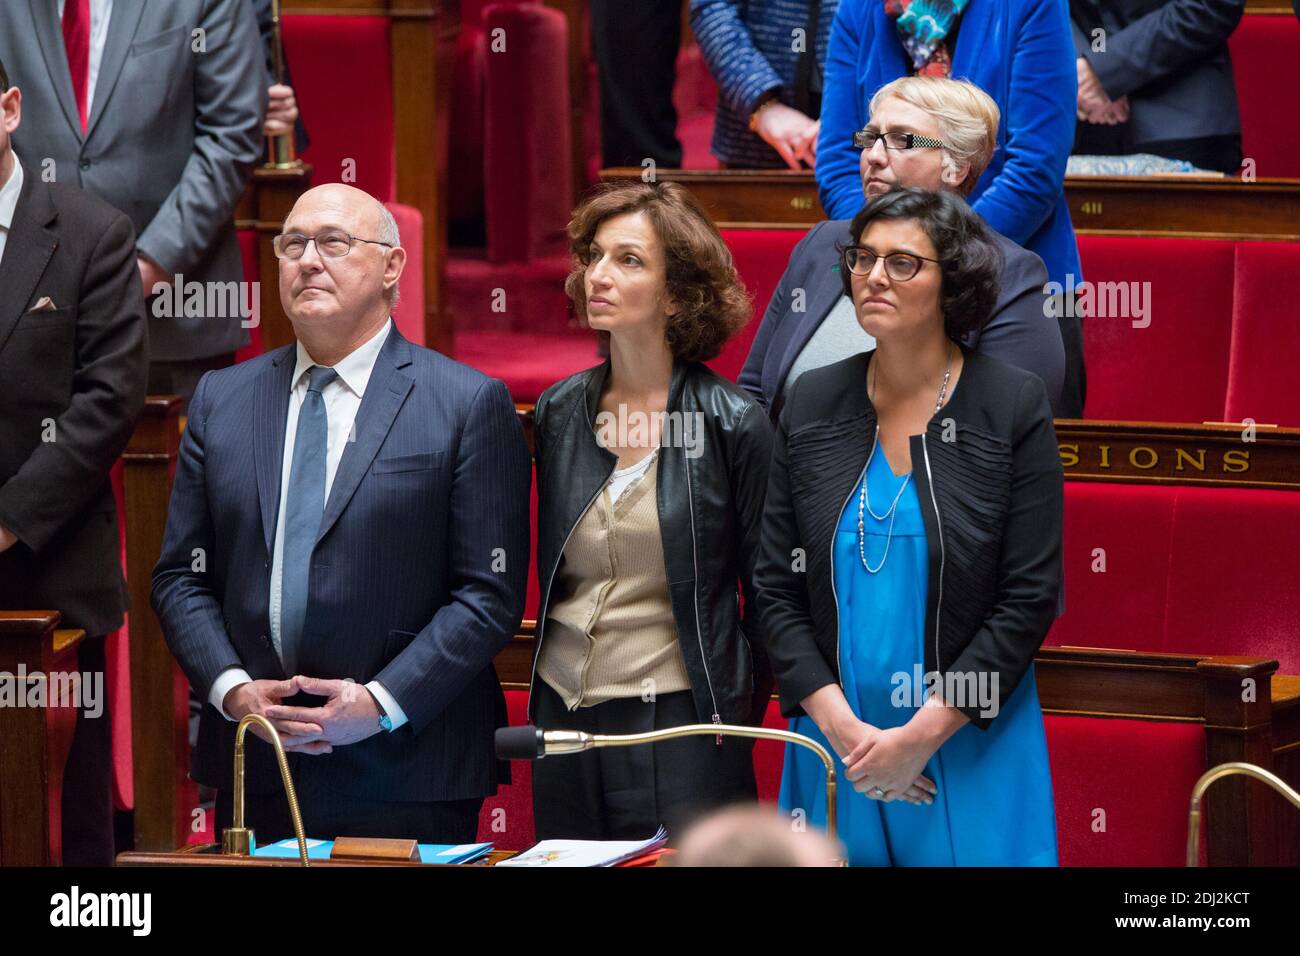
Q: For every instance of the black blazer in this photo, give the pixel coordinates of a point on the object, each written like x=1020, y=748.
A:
x=1019, y=332
x=992, y=499
x=417, y=578
x=1170, y=57
x=710, y=501
x=82, y=366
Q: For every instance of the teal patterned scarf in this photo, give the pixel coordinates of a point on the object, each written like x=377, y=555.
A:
x=922, y=26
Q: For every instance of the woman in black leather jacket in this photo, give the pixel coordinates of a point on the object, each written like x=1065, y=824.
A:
x=651, y=471
x=919, y=488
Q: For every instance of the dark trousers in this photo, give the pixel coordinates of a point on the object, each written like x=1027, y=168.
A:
x=635, y=43
x=1220, y=153
x=181, y=377
x=626, y=793
x=327, y=814
x=87, y=799
x=1074, y=387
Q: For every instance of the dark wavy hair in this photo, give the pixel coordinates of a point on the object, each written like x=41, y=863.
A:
x=699, y=272
x=4, y=78
x=969, y=262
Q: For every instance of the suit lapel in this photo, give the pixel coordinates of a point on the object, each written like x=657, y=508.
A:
x=121, y=34
x=28, y=251
x=271, y=411
x=49, y=34
x=385, y=393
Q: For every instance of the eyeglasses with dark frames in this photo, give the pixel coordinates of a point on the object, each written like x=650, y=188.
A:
x=866, y=138
x=899, y=266
x=332, y=244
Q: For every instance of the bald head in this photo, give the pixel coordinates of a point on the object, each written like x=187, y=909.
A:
x=754, y=836
x=343, y=286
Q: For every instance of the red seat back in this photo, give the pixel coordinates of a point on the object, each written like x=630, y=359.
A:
x=761, y=256
x=1265, y=335
x=1176, y=368
x=1265, y=50
x=343, y=79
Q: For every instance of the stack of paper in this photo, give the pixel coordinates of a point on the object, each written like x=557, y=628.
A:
x=586, y=852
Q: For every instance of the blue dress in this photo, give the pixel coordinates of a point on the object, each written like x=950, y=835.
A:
x=994, y=806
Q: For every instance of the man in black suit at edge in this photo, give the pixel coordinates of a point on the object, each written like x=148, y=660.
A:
x=73, y=369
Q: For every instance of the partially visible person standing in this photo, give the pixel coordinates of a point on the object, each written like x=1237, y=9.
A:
x=157, y=108
x=767, y=57
x=1019, y=52
x=1156, y=77
x=73, y=364
x=933, y=133
x=635, y=43
x=651, y=471
x=282, y=113
x=924, y=484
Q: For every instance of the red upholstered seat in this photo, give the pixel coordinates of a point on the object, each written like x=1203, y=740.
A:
x=1176, y=368
x=348, y=111
x=507, y=818
x=761, y=256
x=1121, y=789
x=409, y=314
x=1265, y=334
x=1122, y=606
x=1264, y=52
x=1233, y=581
x=527, y=154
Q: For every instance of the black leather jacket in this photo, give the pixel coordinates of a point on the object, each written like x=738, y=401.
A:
x=710, y=497
x=991, y=489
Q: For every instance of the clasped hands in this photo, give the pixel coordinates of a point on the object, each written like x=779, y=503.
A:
x=348, y=715
x=890, y=759
x=1095, y=105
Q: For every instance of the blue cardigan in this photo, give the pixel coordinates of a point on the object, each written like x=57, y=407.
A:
x=1021, y=53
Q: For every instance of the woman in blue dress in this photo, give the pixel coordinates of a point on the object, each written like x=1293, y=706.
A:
x=910, y=563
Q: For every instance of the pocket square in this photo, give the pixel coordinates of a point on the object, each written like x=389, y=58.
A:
x=44, y=304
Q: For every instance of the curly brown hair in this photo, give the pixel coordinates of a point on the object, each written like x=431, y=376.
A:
x=699, y=273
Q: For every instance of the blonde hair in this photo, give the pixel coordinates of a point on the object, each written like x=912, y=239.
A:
x=968, y=119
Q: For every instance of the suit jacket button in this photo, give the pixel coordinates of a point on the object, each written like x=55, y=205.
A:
x=266, y=640
x=85, y=164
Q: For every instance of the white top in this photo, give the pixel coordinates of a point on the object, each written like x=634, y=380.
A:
x=838, y=337
x=342, y=398
x=100, y=13
x=9, y=202
x=625, y=478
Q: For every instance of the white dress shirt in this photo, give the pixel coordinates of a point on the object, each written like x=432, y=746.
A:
x=9, y=202
x=100, y=13
x=342, y=399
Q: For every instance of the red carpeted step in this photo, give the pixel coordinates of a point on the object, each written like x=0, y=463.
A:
x=527, y=362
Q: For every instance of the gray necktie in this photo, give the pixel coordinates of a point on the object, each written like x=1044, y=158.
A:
x=304, y=505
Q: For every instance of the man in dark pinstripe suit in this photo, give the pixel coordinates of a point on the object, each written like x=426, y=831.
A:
x=346, y=551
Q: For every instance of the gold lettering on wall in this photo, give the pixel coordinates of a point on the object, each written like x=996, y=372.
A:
x=1197, y=463
x=1236, y=461
x=1105, y=456
x=1069, y=456
x=1151, y=462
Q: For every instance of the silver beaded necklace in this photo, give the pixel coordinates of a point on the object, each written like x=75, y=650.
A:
x=864, y=502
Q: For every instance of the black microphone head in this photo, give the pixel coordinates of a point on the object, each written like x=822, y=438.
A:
x=519, y=743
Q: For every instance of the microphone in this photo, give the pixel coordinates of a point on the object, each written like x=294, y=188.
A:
x=533, y=743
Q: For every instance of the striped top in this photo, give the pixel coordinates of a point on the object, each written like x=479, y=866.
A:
x=749, y=46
